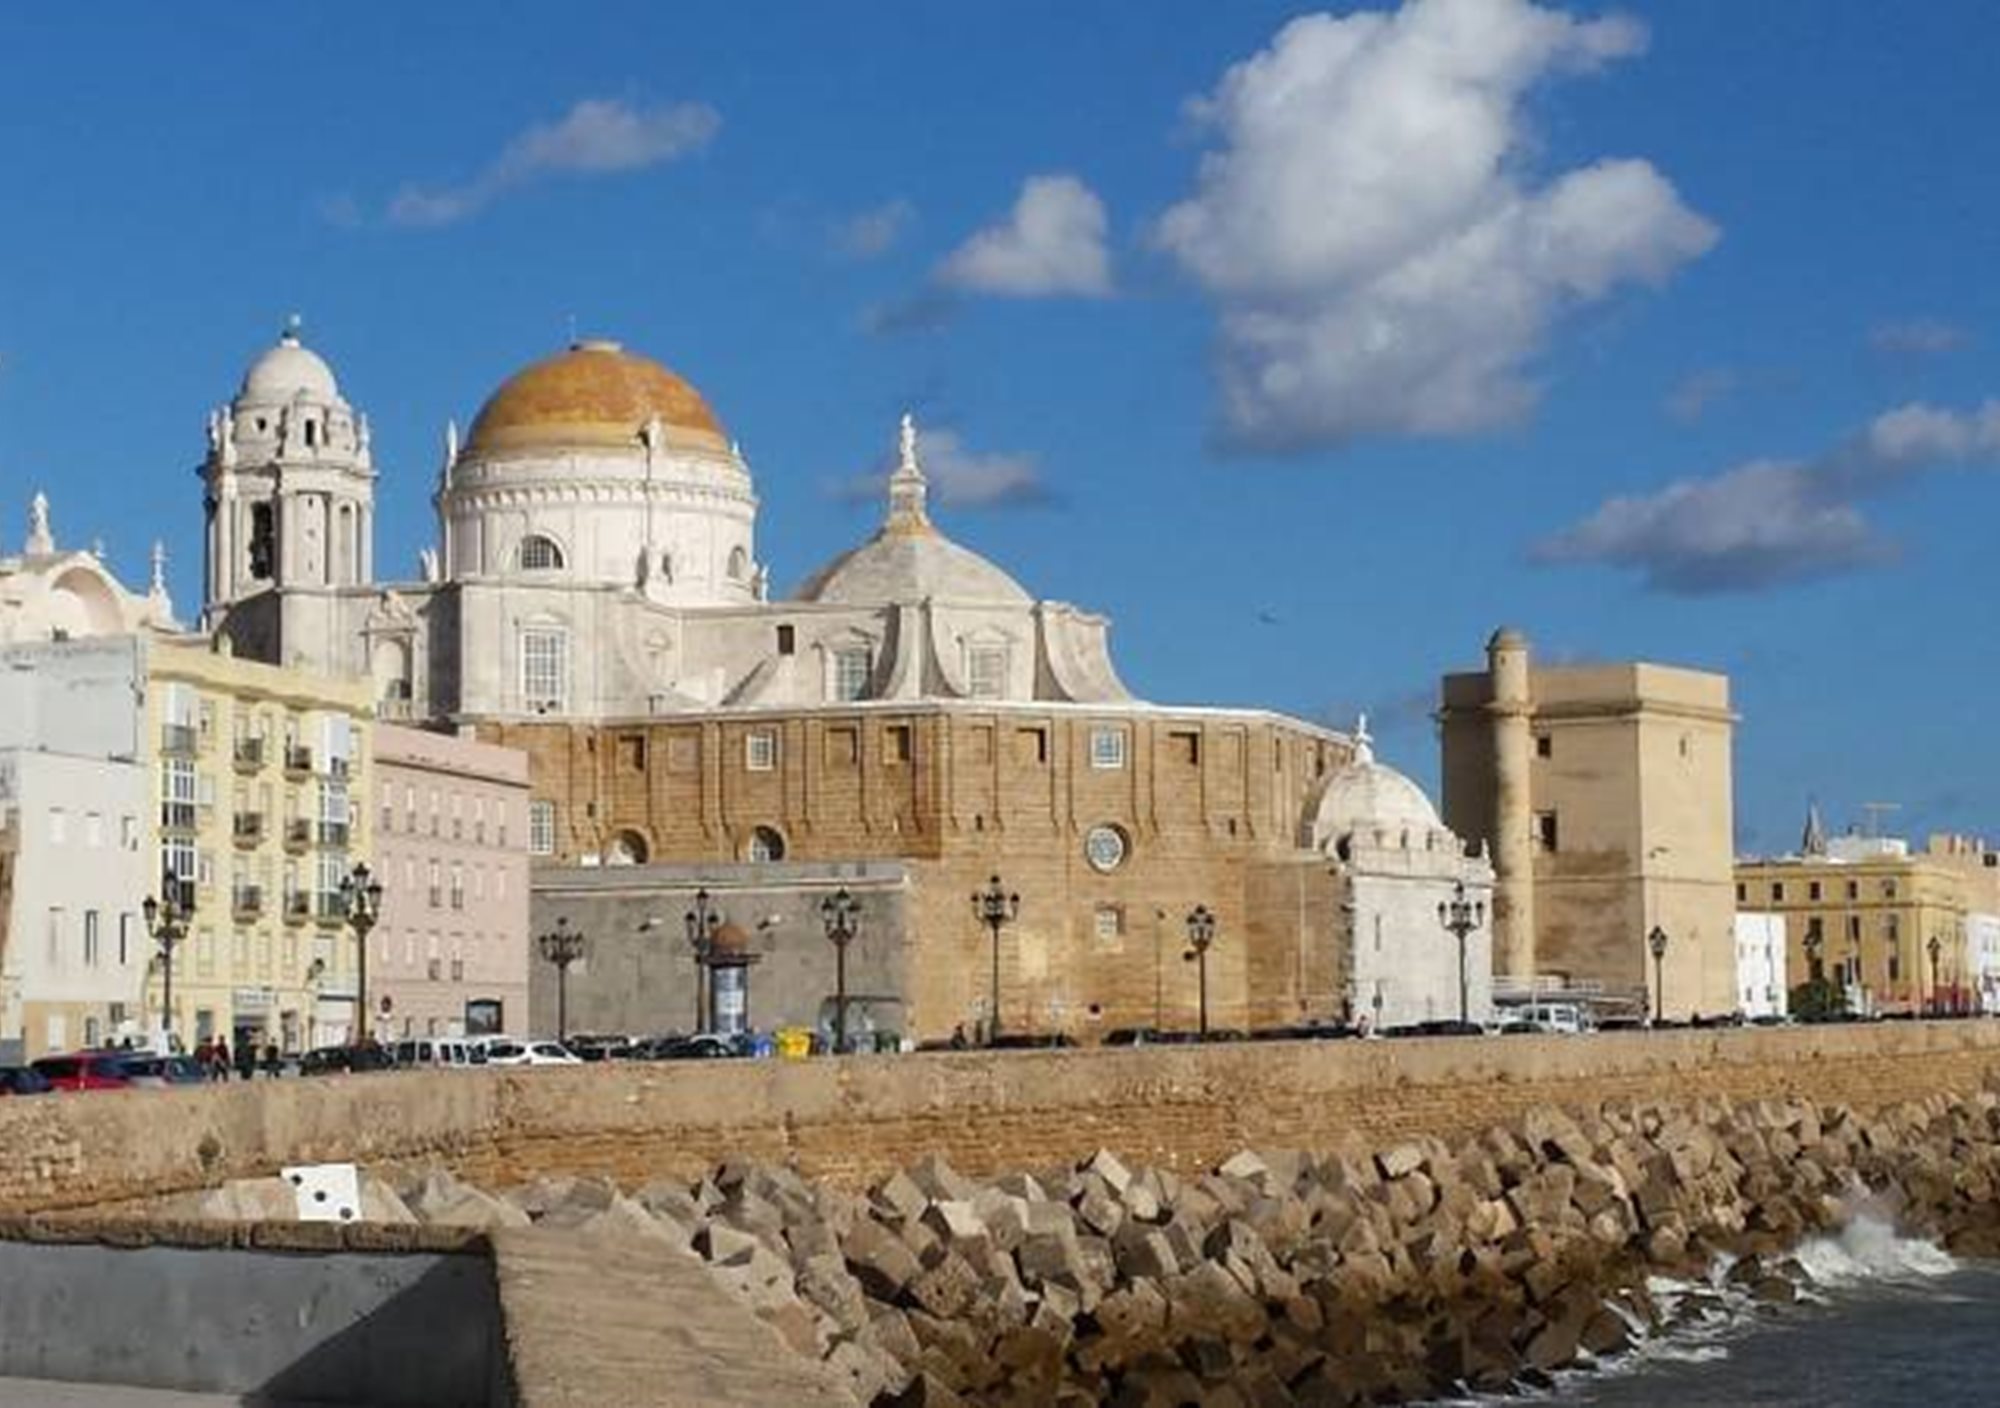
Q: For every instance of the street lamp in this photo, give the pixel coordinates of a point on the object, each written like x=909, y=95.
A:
x=1460, y=917
x=167, y=924
x=702, y=921
x=1201, y=933
x=840, y=912
x=1936, y=947
x=1657, y=942
x=996, y=909
x=361, y=900
x=562, y=946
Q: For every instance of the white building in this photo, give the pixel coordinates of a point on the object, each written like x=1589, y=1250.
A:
x=596, y=559
x=1761, y=986
x=74, y=789
x=1399, y=864
x=1982, y=947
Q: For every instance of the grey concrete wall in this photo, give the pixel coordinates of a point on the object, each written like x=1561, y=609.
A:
x=641, y=980
x=401, y=1331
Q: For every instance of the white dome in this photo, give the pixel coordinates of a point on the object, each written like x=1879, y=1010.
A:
x=1367, y=795
x=913, y=566
x=287, y=371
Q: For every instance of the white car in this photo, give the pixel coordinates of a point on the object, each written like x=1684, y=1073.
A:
x=506, y=1051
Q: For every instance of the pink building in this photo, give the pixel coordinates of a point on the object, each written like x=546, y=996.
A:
x=450, y=953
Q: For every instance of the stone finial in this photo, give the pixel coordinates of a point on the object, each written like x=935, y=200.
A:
x=450, y=446
x=158, y=586
x=41, y=539
x=293, y=325
x=1364, y=742
x=908, y=489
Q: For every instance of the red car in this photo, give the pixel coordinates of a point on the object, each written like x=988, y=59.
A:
x=87, y=1070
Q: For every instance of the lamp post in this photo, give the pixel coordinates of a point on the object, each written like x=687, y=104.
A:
x=702, y=922
x=1459, y=917
x=1936, y=948
x=167, y=924
x=996, y=909
x=1201, y=933
x=840, y=912
x=1657, y=942
x=361, y=901
x=561, y=946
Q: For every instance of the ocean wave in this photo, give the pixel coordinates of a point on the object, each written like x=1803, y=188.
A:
x=1868, y=1248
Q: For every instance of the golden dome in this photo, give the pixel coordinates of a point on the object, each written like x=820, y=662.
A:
x=594, y=396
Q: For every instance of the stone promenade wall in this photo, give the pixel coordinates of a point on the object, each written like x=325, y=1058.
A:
x=853, y=1120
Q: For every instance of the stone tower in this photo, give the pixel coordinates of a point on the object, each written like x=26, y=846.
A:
x=1511, y=831
x=289, y=486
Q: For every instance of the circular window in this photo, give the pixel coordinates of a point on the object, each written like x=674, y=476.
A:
x=1105, y=847
x=766, y=845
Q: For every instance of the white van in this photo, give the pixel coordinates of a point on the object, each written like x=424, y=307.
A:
x=454, y=1053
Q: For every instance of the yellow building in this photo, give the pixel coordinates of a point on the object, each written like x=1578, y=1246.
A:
x=1604, y=793
x=260, y=810
x=1862, y=912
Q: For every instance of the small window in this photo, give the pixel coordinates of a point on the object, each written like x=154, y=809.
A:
x=1031, y=745
x=843, y=746
x=1109, y=922
x=766, y=845
x=1545, y=830
x=1777, y=892
x=1854, y=889
x=1812, y=890
x=896, y=743
x=760, y=750
x=541, y=828
x=540, y=554
x=850, y=673
x=1185, y=747
x=1107, y=747
x=1742, y=894
x=1854, y=928
x=987, y=672
x=1888, y=889
x=1544, y=745
x=787, y=640
x=544, y=669
x=739, y=564
x=632, y=752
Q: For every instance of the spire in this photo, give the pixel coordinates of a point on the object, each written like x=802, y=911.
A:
x=1364, y=742
x=41, y=539
x=1813, y=842
x=908, y=488
x=293, y=324
x=159, y=583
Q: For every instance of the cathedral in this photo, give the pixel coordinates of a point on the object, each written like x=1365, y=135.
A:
x=911, y=725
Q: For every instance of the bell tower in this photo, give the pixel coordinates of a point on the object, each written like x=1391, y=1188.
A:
x=289, y=500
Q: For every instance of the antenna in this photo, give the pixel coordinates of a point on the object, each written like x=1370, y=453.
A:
x=1876, y=811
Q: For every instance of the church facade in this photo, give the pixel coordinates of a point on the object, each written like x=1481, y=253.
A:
x=596, y=600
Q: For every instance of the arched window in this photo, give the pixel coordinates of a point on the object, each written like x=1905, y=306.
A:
x=739, y=563
x=766, y=844
x=540, y=554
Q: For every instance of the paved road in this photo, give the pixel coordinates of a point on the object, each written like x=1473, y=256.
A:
x=46, y=1393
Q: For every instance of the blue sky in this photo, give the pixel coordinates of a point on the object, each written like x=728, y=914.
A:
x=1307, y=345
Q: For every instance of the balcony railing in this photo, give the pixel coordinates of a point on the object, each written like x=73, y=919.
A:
x=248, y=829
x=333, y=834
x=249, y=754
x=330, y=907
x=177, y=816
x=246, y=901
x=298, y=834
x=178, y=740
x=298, y=760
x=298, y=907
x=338, y=767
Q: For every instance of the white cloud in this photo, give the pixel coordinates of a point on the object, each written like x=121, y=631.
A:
x=961, y=477
x=1379, y=260
x=1916, y=337
x=867, y=234
x=1052, y=242
x=596, y=136
x=1772, y=522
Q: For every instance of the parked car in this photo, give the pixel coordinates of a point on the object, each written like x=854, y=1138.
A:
x=505, y=1052
x=1307, y=1031
x=85, y=1070
x=455, y=1053
x=340, y=1060
x=1031, y=1041
x=145, y=1068
x=23, y=1080
x=600, y=1047
x=702, y=1046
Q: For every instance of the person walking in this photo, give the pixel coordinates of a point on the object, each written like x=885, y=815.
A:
x=246, y=1059
x=218, y=1060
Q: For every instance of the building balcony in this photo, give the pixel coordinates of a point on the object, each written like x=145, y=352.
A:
x=330, y=908
x=333, y=835
x=249, y=755
x=179, y=817
x=339, y=768
x=246, y=902
x=298, y=834
x=298, y=761
x=298, y=908
x=178, y=740
x=248, y=830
